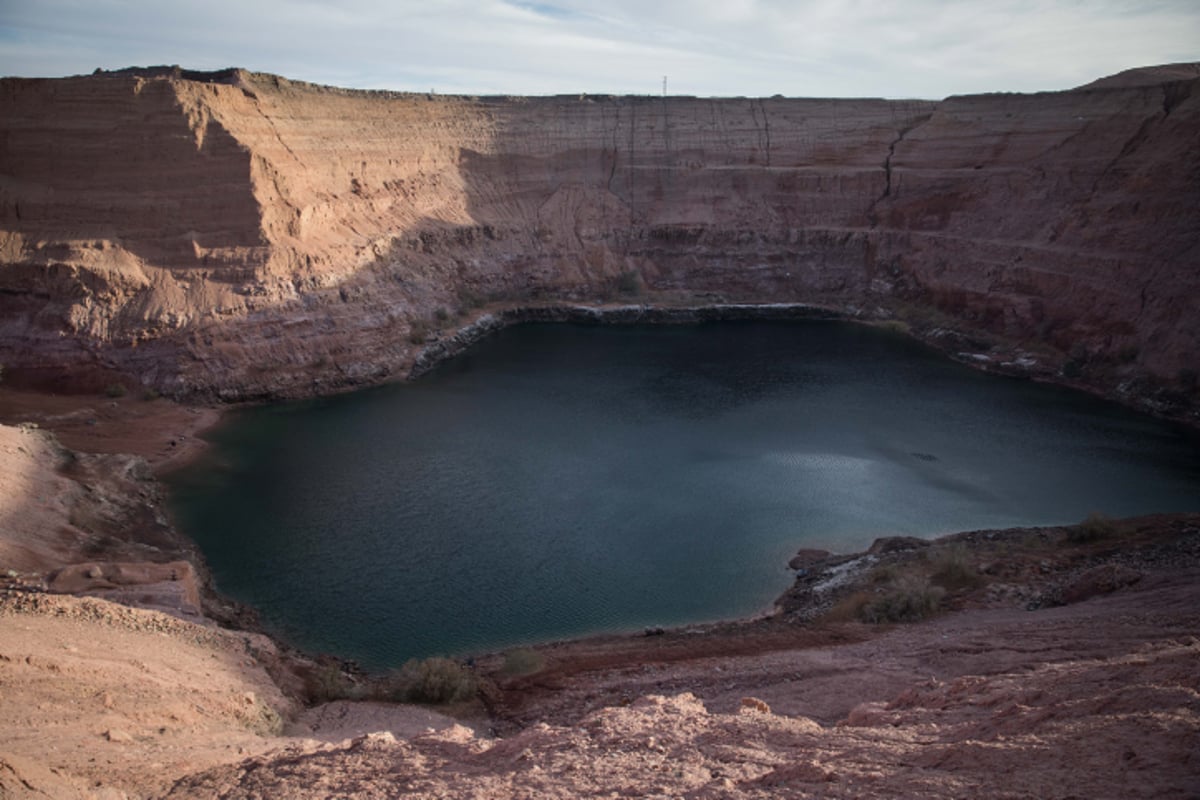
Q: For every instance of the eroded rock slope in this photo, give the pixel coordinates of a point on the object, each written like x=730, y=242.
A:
x=244, y=235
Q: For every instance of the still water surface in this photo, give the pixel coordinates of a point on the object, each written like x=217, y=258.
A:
x=561, y=480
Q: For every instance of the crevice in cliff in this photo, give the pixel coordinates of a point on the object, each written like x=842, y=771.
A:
x=275, y=130
x=1174, y=94
x=887, y=162
x=766, y=132
x=872, y=217
x=1131, y=145
x=291, y=211
x=629, y=188
x=1135, y=141
x=616, y=130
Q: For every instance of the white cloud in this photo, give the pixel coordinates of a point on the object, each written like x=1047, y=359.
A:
x=923, y=48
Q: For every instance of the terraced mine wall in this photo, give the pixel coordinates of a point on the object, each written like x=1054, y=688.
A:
x=240, y=235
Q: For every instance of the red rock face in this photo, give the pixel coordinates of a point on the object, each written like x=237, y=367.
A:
x=244, y=235
x=1069, y=218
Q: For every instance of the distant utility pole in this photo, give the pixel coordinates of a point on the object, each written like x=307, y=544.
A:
x=664, y=85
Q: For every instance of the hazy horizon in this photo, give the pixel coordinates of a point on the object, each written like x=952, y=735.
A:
x=815, y=48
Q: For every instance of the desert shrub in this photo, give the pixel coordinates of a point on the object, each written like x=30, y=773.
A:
x=897, y=326
x=522, y=662
x=442, y=315
x=470, y=299
x=431, y=680
x=1095, y=527
x=909, y=600
x=848, y=608
x=418, y=333
x=326, y=682
x=953, y=571
x=884, y=574
x=115, y=390
x=924, y=317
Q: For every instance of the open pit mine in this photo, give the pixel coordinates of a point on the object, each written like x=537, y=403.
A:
x=172, y=242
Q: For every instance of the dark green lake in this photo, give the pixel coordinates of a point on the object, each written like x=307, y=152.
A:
x=560, y=480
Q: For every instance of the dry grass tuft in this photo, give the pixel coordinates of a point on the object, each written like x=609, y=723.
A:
x=953, y=570
x=910, y=599
x=434, y=681
x=1095, y=527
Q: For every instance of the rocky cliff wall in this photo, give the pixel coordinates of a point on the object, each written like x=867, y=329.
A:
x=243, y=235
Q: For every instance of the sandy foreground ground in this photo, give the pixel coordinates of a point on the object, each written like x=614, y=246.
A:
x=1095, y=699
x=101, y=700
x=1061, y=669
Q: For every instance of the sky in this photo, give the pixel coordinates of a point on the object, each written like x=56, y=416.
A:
x=798, y=48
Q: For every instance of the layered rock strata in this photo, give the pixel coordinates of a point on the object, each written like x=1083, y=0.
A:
x=242, y=235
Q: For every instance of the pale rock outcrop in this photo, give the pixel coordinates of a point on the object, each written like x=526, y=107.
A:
x=1122, y=726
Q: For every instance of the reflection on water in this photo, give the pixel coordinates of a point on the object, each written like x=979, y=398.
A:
x=560, y=480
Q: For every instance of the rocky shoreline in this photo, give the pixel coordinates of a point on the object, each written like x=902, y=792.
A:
x=448, y=346
x=901, y=580
x=988, y=353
